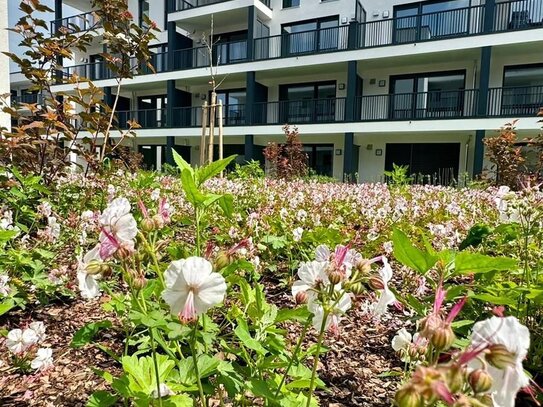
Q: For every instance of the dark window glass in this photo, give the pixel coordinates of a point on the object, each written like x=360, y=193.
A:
x=291, y=3
x=320, y=158
x=143, y=11
x=523, y=90
x=311, y=36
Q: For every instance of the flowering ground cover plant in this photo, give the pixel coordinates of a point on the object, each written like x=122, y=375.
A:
x=195, y=290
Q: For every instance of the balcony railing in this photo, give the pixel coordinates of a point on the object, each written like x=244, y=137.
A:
x=181, y=5
x=418, y=106
x=518, y=15
x=511, y=102
x=328, y=110
x=146, y=118
x=525, y=101
x=28, y=98
x=77, y=23
x=302, y=43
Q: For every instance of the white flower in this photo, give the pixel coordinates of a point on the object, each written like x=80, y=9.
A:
x=297, y=234
x=155, y=194
x=4, y=286
x=39, y=328
x=283, y=213
x=88, y=286
x=18, y=340
x=45, y=209
x=53, y=227
x=311, y=275
x=333, y=319
x=87, y=215
x=6, y=221
x=192, y=288
x=401, y=340
x=301, y=215
x=165, y=391
x=387, y=296
x=119, y=228
x=43, y=359
x=510, y=333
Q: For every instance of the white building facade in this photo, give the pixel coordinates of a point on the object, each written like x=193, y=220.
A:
x=367, y=83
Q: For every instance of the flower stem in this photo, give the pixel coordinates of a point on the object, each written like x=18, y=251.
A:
x=192, y=344
x=155, y=363
x=316, y=358
x=293, y=357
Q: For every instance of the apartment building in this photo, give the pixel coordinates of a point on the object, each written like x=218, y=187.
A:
x=368, y=83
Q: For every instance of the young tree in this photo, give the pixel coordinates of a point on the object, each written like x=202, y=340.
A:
x=48, y=131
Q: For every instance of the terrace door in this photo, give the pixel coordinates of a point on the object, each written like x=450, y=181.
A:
x=435, y=163
x=522, y=93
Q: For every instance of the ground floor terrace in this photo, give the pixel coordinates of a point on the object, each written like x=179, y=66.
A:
x=434, y=154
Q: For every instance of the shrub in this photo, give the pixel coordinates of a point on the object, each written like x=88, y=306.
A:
x=287, y=160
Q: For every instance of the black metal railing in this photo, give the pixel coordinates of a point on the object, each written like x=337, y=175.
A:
x=302, y=43
x=223, y=54
x=520, y=101
x=233, y=115
x=181, y=5
x=518, y=15
x=146, y=118
x=454, y=23
x=78, y=23
x=417, y=105
x=326, y=110
x=29, y=98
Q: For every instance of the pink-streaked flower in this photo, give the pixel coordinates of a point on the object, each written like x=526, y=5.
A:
x=343, y=258
x=387, y=297
x=165, y=210
x=192, y=288
x=18, y=341
x=515, y=337
x=312, y=275
x=119, y=228
x=334, y=317
x=43, y=359
x=297, y=234
x=88, y=284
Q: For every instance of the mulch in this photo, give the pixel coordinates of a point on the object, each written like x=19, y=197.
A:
x=351, y=368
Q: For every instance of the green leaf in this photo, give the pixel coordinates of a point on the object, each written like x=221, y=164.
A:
x=242, y=332
x=6, y=235
x=84, y=335
x=300, y=314
x=101, y=399
x=6, y=305
x=409, y=255
x=475, y=236
x=181, y=163
x=260, y=388
x=495, y=300
x=226, y=202
x=467, y=263
x=194, y=196
x=212, y=169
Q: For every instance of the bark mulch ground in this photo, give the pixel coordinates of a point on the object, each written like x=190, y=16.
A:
x=351, y=368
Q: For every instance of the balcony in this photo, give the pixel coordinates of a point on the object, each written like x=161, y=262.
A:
x=434, y=105
x=515, y=102
x=457, y=23
x=78, y=23
x=34, y=98
x=181, y=5
x=444, y=105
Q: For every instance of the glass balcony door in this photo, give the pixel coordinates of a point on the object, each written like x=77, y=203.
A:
x=308, y=103
x=522, y=93
x=320, y=158
x=234, y=106
x=310, y=36
x=434, y=95
x=230, y=47
x=429, y=20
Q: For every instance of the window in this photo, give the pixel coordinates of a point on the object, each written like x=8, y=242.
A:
x=320, y=158
x=430, y=20
x=152, y=111
x=143, y=11
x=419, y=96
x=291, y=3
x=308, y=103
x=234, y=106
x=522, y=93
x=310, y=36
x=230, y=47
x=435, y=163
